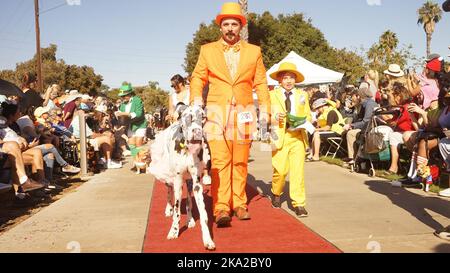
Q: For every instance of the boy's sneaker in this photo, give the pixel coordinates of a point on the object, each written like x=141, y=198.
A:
x=276, y=202
x=114, y=165
x=71, y=169
x=445, y=193
x=301, y=212
x=444, y=234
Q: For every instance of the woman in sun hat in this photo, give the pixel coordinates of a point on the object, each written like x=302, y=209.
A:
x=72, y=103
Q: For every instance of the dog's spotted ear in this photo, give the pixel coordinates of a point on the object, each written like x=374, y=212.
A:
x=178, y=134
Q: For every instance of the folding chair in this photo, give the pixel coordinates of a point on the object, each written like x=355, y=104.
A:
x=336, y=145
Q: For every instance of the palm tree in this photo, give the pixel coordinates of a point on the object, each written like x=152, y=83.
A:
x=429, y=15
x=244, y=6
x=388, y=43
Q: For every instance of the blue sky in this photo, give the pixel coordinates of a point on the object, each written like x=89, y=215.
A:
x=142, y=40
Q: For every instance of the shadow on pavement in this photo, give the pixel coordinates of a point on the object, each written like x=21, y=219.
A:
x=266, y=190
x=443, y=248
x=413, y=203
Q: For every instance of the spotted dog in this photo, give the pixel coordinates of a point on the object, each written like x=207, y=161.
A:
x=183, y=143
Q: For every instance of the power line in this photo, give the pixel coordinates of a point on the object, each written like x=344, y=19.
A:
x=56, y=7
x=12, y=15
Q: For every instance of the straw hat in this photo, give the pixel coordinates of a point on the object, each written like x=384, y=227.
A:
x=395, y=70
x=288, y=67
x=231, y=10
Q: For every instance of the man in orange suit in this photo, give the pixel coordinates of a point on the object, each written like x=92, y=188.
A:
x=233, y=69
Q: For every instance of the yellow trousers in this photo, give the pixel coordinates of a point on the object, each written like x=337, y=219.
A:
x=290, y=160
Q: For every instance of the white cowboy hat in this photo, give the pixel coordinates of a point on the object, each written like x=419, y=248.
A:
x=73, y=95
x=86, y=97
x=102, y=109
x=395, y=70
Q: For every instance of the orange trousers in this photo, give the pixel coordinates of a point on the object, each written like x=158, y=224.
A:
x=229, y=169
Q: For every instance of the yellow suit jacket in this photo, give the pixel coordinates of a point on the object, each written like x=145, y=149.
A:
x=302, y=109
x=211, y=69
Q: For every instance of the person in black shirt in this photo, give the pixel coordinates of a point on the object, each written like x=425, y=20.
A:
x=31, y=99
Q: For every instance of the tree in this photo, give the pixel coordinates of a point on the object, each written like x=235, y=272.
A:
x=244, y=7
x=277, y=37
x=388, y=42
x=152, y=95
x=386, y=51
x=429, y=15
x=205, y=34
x=58, y=72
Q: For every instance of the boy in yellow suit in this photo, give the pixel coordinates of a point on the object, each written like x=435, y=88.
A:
x=290, y=151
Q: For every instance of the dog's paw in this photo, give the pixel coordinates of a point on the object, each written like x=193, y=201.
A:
x=209, y=245
x=169, y=211
x=191, y=223
x=173, y=234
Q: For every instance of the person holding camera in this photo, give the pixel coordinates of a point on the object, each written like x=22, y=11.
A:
x=181, y=95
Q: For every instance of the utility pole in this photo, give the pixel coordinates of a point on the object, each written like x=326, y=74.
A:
x=244, y=7
x=38, y=47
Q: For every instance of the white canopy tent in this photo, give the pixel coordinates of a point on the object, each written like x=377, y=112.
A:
x=314, y=74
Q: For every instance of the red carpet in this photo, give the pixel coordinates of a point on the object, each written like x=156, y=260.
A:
x=269, y=231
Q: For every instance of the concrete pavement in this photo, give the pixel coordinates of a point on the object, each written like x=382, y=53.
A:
x=107, y=214
x=355, y=213
x=360, y=214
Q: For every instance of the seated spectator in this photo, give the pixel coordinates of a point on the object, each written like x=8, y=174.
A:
x=436, y=122
x=100, y=142
x=15, y=158
x=55, y=119
x=444, y=148
x=368, y=106
x=51, y=97
x=371, y=81
x=331, y=127
x=31, y=98
x=47, y=152
x=426, y=84
x=400, y=123
x=395, y=74
x=72, y=103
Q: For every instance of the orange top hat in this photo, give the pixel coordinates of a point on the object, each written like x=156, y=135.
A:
x=231, y=10
x=288, y=67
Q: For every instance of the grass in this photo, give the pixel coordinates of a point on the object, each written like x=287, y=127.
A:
x=379, y=173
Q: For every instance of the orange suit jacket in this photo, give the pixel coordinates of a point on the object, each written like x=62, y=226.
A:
x=225, y=91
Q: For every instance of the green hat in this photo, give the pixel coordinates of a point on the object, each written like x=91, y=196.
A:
x=125, y=89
